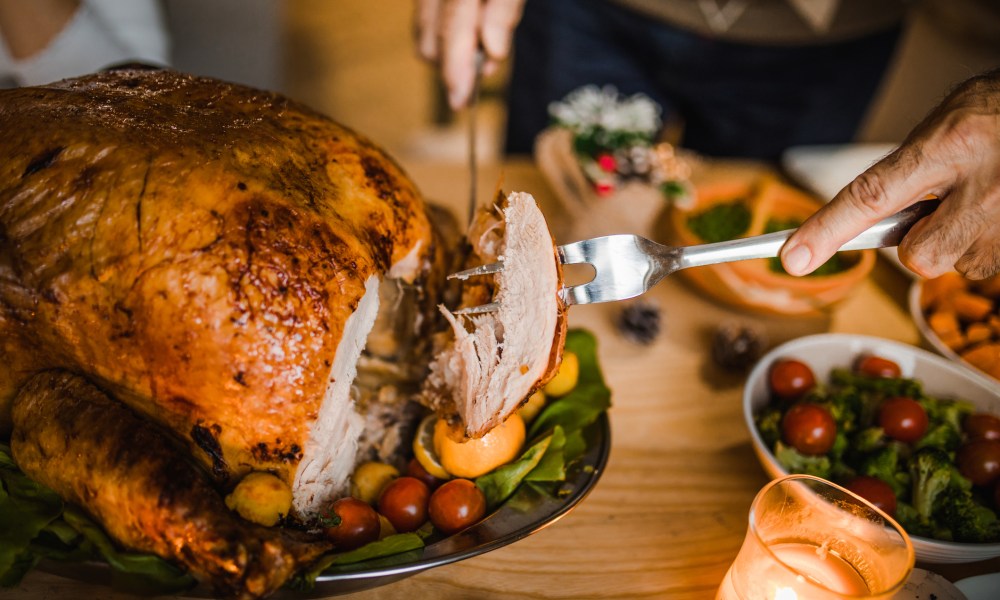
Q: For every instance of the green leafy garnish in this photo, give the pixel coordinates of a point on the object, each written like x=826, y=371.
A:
x=26, y=508
x=131, y=572
x=500, y=483
x=557, y=432
x=723, y=221
x=391, y=546
x=585, y=402
x=34, y=524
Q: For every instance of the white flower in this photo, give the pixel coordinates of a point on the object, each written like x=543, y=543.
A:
x=591, y=107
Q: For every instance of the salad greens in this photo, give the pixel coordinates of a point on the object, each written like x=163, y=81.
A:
x=556, y=434
x=36, y=524
x=933, y=499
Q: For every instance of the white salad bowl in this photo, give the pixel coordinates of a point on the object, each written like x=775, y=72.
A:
x=939, y=376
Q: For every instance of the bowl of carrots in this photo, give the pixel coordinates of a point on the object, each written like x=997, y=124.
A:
x=960, y=318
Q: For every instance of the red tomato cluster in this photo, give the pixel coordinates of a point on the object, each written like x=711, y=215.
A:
x=812, y=430
x=875, y=491
x=979, y=457
x=903, y=419
x=406, y=502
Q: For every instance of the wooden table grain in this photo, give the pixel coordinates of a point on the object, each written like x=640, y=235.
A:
x=669, y=513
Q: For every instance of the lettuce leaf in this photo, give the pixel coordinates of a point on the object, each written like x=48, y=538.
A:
x=34, y=524
x=585, y=402
x=557, y=432
x=499, y=484
x=26, y=508
x=130, y=572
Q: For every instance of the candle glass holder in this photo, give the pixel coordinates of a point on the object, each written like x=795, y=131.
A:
x=812, y=539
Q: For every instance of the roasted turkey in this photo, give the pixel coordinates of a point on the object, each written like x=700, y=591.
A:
x=250, y=283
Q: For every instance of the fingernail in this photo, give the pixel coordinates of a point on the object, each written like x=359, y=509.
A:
x=458, y=97
x=797, y=260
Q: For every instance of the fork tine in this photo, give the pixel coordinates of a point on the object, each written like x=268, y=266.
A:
x=574, y=253
x=478, y=310
x=487, y=269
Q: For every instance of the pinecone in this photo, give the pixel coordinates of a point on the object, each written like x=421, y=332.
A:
x=737, y=345
x=640, y=322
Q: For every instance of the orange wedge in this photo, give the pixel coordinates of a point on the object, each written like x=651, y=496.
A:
x=472, y=457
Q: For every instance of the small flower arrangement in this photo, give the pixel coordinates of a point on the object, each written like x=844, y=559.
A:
x=614, y=139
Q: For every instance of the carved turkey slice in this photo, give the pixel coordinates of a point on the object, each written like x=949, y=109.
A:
x=497, y=359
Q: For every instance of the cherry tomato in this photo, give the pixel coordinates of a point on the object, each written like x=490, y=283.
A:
x=351, y=523
x=876, y=366
x=982, y=426
x=809, y=428
x=404, y=503
x=790, y=379
x=875, y=491
x=416, y=470
x=979, y=461
x=903, y=419
x=456, y=505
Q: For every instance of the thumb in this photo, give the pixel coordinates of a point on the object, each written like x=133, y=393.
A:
x=887, y=187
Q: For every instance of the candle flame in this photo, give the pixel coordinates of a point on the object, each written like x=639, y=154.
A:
x=785, y=593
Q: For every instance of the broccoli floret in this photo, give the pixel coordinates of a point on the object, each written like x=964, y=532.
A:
x=886, y=464
x=950, y=412
x=941, y=436
x=843, y=408
x=769, y=425
x=885, y=386
x=914, y=524
x=967, y=520
x=932, y=474
x=796, y=462
x=868, y=440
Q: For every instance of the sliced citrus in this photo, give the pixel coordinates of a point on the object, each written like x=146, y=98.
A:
x=424, y=450
x=472, y=457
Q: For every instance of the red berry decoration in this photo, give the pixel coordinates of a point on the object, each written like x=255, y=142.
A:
x=604, y=188
x=607, y=163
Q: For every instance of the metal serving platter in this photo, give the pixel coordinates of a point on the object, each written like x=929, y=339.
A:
x=525, y=513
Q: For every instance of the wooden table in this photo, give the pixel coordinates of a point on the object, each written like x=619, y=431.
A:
x=669, y=514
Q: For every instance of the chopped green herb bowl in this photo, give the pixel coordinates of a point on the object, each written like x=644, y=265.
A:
x=938, y=377
x=755, y=204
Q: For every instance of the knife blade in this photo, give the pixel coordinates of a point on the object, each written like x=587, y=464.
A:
x=473, y=103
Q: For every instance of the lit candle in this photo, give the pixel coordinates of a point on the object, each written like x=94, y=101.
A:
x=809, y=538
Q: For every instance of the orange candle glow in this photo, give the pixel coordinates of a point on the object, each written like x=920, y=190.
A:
x=809, y=538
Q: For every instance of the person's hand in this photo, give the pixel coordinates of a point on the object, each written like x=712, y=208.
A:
x=953, y=154
x=448, y=32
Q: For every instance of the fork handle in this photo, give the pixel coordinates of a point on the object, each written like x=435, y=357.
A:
x=887, y=232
